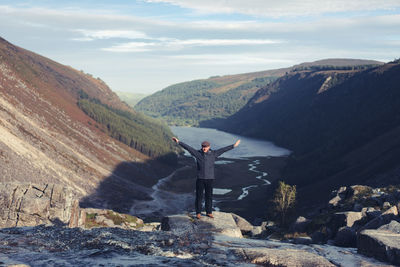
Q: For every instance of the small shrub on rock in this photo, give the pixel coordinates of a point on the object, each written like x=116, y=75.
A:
x=284, y=200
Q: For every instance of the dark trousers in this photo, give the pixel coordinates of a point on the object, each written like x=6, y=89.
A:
x=204, y=185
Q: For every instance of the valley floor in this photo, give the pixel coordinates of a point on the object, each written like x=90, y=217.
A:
x=241, y=186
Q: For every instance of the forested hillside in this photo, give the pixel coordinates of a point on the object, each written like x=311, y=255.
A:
x=147, y=135
x=201, y=102
x=189, y=103
x=343, y=126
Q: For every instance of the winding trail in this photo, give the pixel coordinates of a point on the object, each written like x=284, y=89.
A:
x=253, y=168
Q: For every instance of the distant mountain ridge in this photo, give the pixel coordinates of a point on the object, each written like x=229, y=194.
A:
x=218, y=97
x=130, y=98
x=45, y=137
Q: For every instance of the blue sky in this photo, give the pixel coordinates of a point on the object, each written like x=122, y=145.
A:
x=145, y=45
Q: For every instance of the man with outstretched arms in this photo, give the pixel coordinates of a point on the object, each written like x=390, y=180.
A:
x=205, y=158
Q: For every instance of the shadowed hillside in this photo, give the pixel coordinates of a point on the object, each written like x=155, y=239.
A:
x=343, y=126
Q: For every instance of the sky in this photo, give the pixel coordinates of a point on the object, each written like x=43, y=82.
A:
x=144, y=46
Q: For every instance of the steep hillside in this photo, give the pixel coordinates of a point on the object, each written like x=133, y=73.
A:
x=193, y=103
x=45, y=136
x=343, y=126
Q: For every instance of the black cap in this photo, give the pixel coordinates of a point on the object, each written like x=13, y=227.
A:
x=205, y=143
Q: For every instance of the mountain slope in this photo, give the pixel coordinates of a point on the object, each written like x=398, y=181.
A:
x=343, y=126
x=45, y=136
x=194, y=102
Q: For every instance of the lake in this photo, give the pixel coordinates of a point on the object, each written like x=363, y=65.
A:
x=249, y=147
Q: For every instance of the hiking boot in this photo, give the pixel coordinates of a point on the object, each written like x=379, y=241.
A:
x=198, y=215
x=210, y=215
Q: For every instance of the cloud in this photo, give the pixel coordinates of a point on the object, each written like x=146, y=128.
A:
x=90, y=35
x=272, y=8
x=232, y=59
x=131, y=47
x=176, y=44
x=187, y=46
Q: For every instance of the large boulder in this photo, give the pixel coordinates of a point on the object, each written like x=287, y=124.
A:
x=382, y=244
x=393, y=227
x=347, y=218
x=256, y=231
x=300, y=225
x=335, y=201
x=242, y=223
x=384, y=218
x=370, y=213
x=360, y=190
x=346, y=237
x=339, y=195
x=222, y=224
x=320, y=237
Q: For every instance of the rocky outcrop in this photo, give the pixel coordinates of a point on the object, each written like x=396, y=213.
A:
x=351, y=210
x=384, y=218
x=340, y=194
x=185, y=240
x=34, y=204
x=382, y=244
x=189, y=242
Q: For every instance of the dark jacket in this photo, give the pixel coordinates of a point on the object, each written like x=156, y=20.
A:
x=205, y=161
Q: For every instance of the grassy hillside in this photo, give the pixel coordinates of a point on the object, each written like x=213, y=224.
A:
x=195, y=102
x=343, y=126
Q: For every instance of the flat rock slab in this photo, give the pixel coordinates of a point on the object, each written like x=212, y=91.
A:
x=284, y=257
x=380, y=244
x=222, y=223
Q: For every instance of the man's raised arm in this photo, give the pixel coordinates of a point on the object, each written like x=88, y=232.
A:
x=190, y=149
x=222, y=150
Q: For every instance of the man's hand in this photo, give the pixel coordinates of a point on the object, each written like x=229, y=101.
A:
x=175, y=140
x=237, y=143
